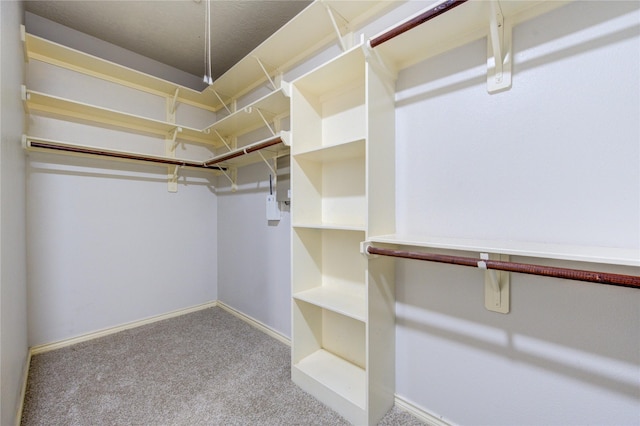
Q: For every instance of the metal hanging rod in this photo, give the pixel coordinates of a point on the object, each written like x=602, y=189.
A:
x=243, y=151
x=524, y=268
x=78, y=149
x=208, y=164
x=414, y=22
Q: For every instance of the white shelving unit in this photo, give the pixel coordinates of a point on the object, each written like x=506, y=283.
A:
x=343, y=319
x=316, y=26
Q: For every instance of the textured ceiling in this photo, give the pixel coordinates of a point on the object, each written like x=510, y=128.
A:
x=172, y=31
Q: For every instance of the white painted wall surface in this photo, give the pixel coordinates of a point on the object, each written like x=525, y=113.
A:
x=107, y=243
x=254, y=254
x=13, y=273
x=554, y=159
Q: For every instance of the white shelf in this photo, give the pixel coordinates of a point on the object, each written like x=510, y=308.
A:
x=461, y=25
x=339, y=376
x=344, y=151
x=53, y=53
x=329, y=104
x=345, y=303
x=57, y=107
x=329, y=226
x=329, y=187
x=605, y=255
x=275, y=104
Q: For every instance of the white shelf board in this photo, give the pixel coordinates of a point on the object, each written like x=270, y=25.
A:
x=605, y=255
x=461, y=25
x=342, y=377
x=57, y=107
x=306, y=33
x=352, y=149
x=247, y=119
x=43, y=50
x=347, y=304
x=331, y=226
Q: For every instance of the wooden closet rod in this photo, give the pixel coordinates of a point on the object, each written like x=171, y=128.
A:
x=414, y=22
x=242, y=151
x=118, y=154
x=524, y=268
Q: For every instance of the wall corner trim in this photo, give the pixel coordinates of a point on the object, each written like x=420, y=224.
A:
x=23, y=390
x=420, y=413
x=35, y=350
x=257, y=324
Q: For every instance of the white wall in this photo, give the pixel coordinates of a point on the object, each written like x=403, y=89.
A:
x=253, y=254
x=554, y=159
x=107, y=243
x=13, y=277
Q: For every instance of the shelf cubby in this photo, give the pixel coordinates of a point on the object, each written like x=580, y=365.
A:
x=329, y=359
x=329, y=185
x=329, y=104
x=330, y=271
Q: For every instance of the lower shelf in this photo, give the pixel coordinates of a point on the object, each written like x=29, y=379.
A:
x=334, y=381
x=345, y=303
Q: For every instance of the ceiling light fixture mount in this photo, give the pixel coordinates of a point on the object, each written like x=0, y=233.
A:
x=208, y=79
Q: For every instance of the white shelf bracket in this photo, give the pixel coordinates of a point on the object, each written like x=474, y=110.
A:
x=346, y=40
x=271, y=169
x=174, y=102
x=264, y=70
x=221, y=101
x=496, y=285
x=266, y=122
x=174, y=139
x=25, y=48
x=232, y=176
x=374, y=58
x=499, y=52
x=224, y=141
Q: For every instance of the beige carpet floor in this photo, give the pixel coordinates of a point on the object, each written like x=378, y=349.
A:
x=203, y=368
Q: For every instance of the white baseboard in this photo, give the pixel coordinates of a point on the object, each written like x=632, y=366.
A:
x=23, y=390
x=111, y=330
x=257, y=324
x=411, y=408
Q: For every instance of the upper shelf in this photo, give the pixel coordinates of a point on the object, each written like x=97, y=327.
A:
x=604, y=255
x=464, y=23
x=56, y=54
x=54, y=106
x=307, y=32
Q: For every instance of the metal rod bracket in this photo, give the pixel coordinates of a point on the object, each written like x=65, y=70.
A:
x=496, y=284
